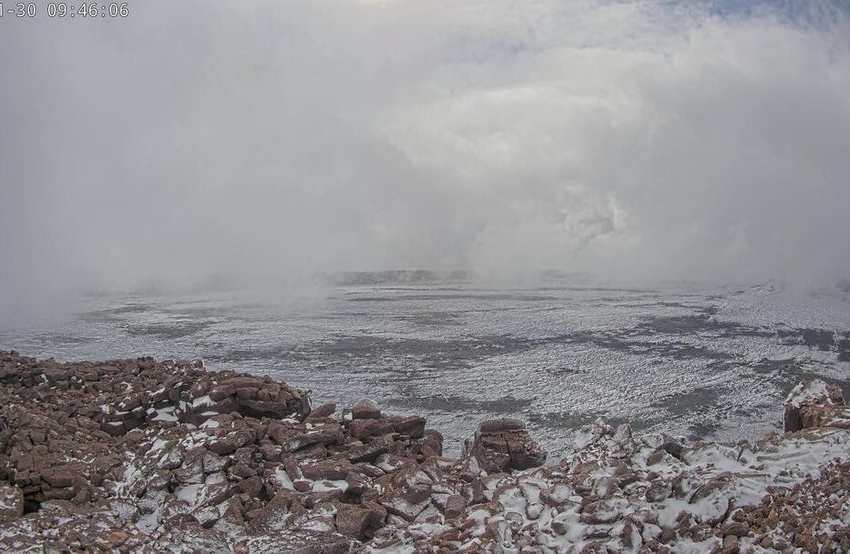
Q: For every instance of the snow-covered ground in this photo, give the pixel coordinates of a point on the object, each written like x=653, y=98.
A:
x=683, y=359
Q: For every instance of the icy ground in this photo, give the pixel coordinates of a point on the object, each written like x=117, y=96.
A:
x=694, y=361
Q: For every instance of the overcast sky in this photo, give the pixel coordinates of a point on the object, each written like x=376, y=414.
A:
x=647, y=139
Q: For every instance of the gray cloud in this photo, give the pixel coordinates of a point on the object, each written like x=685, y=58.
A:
x=274, y=140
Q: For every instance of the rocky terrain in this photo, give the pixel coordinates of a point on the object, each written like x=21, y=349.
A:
x=144, y=456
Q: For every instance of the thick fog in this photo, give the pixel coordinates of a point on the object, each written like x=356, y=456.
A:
x=271, y=141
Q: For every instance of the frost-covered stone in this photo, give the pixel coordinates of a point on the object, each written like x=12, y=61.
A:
x=188, y=477
x=11, y=501
x=814, y=403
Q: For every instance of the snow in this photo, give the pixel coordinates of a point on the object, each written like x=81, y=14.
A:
x=805, y=392
x=715, y=476
x=202, y=401
x=283, y=478
x=188, y=493
x=165, y=414
x=215, y=478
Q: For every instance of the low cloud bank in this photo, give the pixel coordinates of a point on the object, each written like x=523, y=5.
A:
x=267, y=141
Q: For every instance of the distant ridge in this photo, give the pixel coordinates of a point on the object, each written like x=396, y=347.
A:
x=397, y=276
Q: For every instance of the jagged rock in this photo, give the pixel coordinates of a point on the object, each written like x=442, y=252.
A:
x=359, y=521
x=504, y=444
x=813, y=403
x=413, y=426
x=432, y=443
x=331, y=469
x=260, y=408
x=455, y=505
x=370, y=451
x=229, y=443
x=213, y=463
x=252, y=486
x=296, y=437
x=323, y=411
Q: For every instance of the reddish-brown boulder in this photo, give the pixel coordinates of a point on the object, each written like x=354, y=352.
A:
x=227, y=444
x=331, y=469
x=503, y=444
x=365, y=409
x=455, y=505
x=813, y=403
x=323, y=411
x=370, y=451
x=359, y=521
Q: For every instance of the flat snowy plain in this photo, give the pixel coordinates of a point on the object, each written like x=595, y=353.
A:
x=712, y=363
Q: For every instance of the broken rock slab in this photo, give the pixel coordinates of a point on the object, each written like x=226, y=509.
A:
x=501, y=445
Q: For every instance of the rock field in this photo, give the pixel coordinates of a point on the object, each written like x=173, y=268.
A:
x=140, y=455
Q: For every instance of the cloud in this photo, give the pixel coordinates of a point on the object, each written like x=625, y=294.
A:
x=271, y=140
